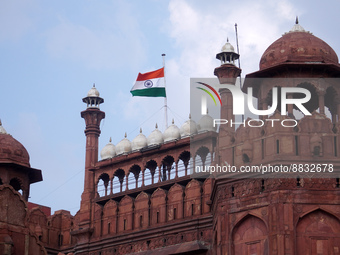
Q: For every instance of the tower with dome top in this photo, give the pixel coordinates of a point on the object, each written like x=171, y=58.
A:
x=284, y=213
x=92, y=116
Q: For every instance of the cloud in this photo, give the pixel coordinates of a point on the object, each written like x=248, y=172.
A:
x=199, y=31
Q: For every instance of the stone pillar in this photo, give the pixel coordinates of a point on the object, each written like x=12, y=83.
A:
x=176, y=175
x=160, y=173
x=321, y=95
x=127, y=180
x=338, y=111
x=143, y=174
x=93, y=117
x=111, y=187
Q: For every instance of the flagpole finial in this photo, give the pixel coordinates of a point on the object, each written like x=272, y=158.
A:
x=125, y=135
x=110, y=140
x=156, y=126
x=163, y=55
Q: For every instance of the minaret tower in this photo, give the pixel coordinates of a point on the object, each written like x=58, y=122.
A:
x=93, y=116
x=227, y=74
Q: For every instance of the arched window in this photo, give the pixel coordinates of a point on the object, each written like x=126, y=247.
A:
x=316, y=232
x=156, y=175
x=183, y=163
x=134, y=176
x=250, y=234
x=115, y=185
x=147, y=177
x=119, y=181
x=151, y=166
x=168, y=168
x=201, y=156
x=103, y=188
x=16, y=184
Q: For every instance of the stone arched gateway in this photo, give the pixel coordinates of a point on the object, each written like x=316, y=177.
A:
x=250, y=237
x=317, y=233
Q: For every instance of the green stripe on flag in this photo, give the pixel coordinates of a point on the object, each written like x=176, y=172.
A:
x=150, y=92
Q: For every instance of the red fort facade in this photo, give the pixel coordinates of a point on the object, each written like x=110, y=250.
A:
x=140, y=197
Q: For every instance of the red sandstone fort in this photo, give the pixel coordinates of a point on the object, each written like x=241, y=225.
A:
x=140, y=198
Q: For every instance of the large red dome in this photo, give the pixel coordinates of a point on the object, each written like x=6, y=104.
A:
x=298, y=46
x=12, y=151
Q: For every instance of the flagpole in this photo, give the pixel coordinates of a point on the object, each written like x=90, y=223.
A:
x=165, y=99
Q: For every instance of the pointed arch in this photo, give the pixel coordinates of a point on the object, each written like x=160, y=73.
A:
x=317, y=232
x=37, y=216
x=201, y=156
x=141, y=212
x=110, y=217
x=118, y=181
x=250, y=236
x=103, y=184
x=17, y=185
x=183, y=163
x=168, y=168
x=133, y=180
x=158, y=206
x=151, y=168
x=193, y=198
x=125, y=213
x=175, y=202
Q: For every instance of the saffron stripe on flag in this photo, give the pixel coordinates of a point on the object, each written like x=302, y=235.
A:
x=151, y=75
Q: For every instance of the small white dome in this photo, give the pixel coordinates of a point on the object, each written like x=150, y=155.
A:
x=297, y=27
x=228, y=47
x=206, y=123
x=93, y=92
x=139, y=142
x=109, y=151
x=2, y=129
x=171, y=133
x=155, y=137
x=124, y=146
x=188, y=128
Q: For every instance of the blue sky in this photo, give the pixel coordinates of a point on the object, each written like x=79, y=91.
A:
x=53, y=51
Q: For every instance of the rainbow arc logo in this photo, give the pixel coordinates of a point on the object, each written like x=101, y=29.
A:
x=209, y=93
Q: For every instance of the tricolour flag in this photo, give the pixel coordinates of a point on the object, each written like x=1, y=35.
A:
x=150, y=84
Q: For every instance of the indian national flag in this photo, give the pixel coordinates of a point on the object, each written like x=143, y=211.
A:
x=150, y=84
